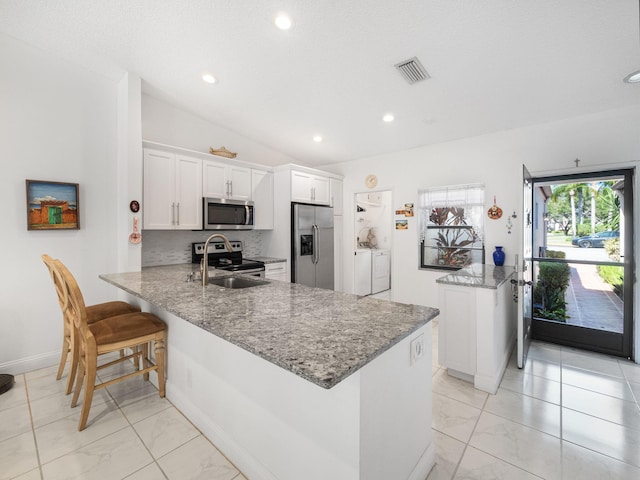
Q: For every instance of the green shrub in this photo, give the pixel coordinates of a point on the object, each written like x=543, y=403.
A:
x=556, y=254
x=612, y=247
x=614, y=276
x=549, y=293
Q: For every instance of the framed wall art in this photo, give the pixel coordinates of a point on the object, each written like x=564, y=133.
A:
x=52, y=205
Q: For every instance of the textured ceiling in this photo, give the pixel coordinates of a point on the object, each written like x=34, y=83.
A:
x=495, y=64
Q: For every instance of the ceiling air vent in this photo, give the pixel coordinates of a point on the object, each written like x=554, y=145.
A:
x=412, y=70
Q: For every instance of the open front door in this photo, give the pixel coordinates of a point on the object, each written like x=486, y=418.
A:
x=525, y=268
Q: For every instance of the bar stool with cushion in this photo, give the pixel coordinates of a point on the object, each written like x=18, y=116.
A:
x=130, y=330
x=94, y=314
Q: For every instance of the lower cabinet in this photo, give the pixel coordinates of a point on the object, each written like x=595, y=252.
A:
x=276, y=271
x=476, y=333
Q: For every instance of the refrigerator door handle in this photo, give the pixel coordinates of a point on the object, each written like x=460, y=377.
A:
x=316, y=239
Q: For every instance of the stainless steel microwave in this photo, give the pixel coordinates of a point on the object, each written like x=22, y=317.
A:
x=225, y=214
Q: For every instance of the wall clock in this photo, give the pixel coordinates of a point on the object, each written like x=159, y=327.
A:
x=371, y=181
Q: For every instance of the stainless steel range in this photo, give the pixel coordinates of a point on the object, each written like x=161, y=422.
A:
x=221, y=259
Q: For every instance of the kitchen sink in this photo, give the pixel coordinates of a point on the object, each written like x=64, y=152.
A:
x=236, y=282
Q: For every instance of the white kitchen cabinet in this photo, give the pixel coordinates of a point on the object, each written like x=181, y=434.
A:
x=476, y=331
x=336, y=195
x=262, y=194
x=221, y=180
x=309, y=188
x=172, y=191
x=276, y=271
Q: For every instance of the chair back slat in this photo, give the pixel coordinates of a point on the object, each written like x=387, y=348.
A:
x=75, y=308
x=57, y=281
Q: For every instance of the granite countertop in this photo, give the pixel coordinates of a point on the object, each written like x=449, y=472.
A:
x=479, y=276
x=267, y=259
x=320, y=335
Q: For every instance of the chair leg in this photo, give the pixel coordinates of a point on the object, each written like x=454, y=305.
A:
x=144, y=349
x=89, y=387
x=63, y=357
x=78, y=388
x=159, y=351
x=73, y=368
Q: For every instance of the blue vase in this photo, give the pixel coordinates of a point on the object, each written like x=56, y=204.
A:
x=498, y=257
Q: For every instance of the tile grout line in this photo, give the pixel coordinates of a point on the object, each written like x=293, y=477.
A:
x=33, y=429
x=137, y=435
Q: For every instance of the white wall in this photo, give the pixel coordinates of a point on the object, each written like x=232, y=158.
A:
x=164, y=123
x=57, y=122
x=496, y=160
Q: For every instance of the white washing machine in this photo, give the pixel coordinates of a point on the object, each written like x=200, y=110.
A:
x=363, y=271
x=380, y=270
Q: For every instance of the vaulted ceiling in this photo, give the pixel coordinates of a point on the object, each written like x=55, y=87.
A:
x=494, y=64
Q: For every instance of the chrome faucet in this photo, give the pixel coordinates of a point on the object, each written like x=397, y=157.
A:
x=204, y=263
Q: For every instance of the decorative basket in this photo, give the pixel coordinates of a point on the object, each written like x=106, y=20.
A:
x=222, y=152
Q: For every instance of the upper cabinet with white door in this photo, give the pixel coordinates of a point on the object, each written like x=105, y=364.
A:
x=309, y=188
x=172, y=192
x=336, y=196
x=262, y=194
x=221, y=180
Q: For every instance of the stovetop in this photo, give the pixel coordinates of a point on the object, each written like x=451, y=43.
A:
x=220, y=258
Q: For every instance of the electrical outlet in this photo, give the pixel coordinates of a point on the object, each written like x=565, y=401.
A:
x=416, y=348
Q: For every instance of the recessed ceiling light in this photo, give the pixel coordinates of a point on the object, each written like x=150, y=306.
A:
x=317, y=138
x=208, y=78
x=283, y=22
x=633, y=77
x=388, y=118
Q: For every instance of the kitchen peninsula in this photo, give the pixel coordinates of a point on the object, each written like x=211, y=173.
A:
x=295, y=382
x=477, y=329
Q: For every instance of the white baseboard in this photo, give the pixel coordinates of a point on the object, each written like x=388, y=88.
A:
x=23, y=365
x=425, y=464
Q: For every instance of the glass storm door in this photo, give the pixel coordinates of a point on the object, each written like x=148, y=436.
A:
x=584, y=262
x=524, y=268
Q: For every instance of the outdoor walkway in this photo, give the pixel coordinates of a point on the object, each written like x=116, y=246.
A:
x=591, y=302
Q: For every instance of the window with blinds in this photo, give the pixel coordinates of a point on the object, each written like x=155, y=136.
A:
x=451, y=226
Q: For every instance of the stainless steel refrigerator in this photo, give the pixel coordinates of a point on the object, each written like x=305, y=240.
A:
x=312, y=245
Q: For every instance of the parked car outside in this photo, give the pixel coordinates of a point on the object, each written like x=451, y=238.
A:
x=596, y=240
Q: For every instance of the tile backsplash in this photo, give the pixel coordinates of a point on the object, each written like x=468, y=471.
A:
x=170, y=247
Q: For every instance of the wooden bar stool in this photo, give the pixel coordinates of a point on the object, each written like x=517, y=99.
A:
x=134, y=331
x=94, y=314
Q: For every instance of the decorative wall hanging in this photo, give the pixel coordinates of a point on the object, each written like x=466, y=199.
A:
x=371, y=181
x=402, y=225
x=222, y=152
x=509, y=225
x=134, y=206
x=135, y=236
x=52, y=205
x=495, y=212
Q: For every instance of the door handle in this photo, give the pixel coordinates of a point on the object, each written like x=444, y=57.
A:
x=314, y=258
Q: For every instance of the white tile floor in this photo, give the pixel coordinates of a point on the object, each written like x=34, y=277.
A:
x=568, y=415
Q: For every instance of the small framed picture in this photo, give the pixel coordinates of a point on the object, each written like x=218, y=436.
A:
x=402, y=224
x=52, y=205
x=408, y=209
